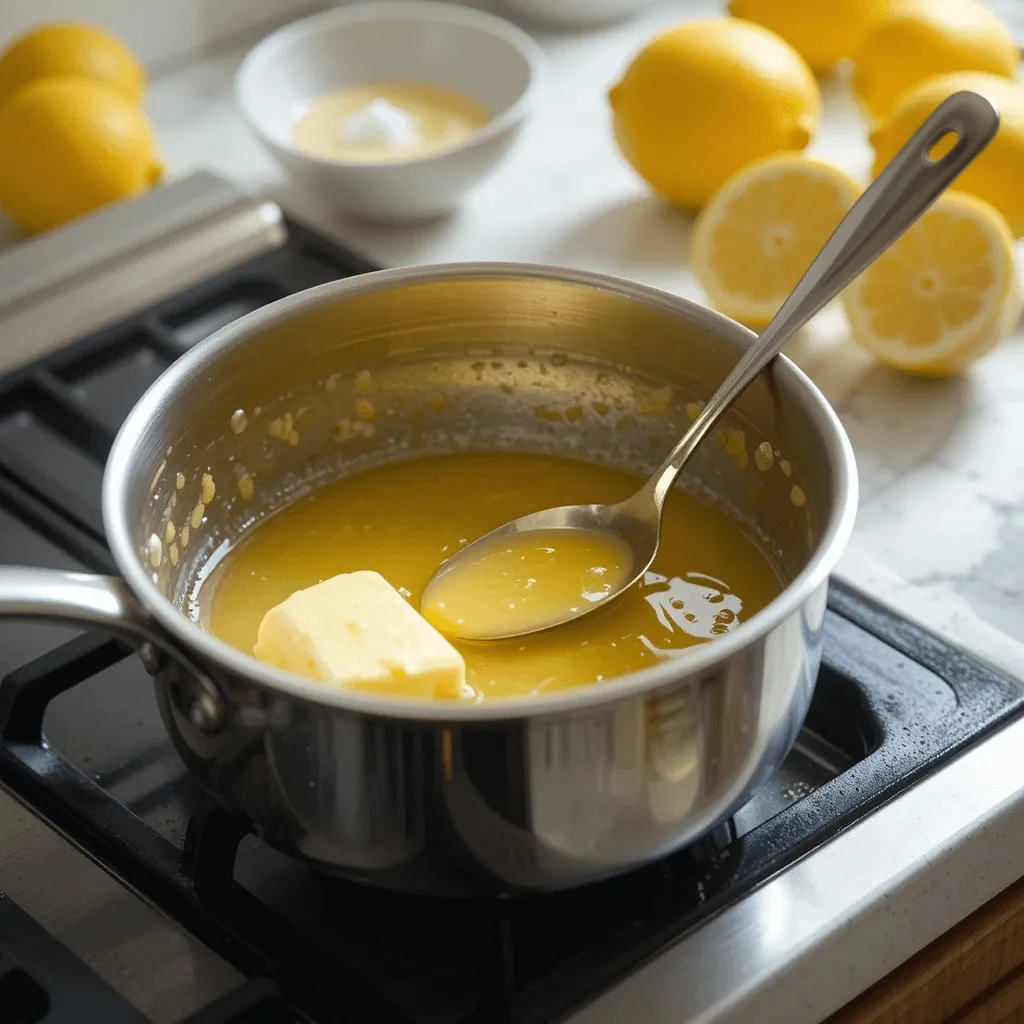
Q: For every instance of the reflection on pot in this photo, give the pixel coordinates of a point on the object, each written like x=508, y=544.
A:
x=698, y=605
x=352, y=786
x=674, y=754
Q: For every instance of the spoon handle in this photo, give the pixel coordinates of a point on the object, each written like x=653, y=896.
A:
x=911, y=182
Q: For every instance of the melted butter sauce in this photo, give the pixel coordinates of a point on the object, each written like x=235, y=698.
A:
x=404, y=519
x=383, y=121
x=519, y=582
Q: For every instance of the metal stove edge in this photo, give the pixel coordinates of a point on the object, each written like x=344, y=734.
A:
x=827, y=928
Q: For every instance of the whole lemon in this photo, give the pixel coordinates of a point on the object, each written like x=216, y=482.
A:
x=71, y=145
x=923, y=38
x=997, y=174
x=705, y=99
x=69, y=49
x=822, y=33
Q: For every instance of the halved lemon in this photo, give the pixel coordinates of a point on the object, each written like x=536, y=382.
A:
x=762, y=230
x=944, y=295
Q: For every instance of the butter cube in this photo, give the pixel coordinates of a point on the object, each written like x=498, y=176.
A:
x=355, y=630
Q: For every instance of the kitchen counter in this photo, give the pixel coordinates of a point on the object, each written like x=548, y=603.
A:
x=940, y=533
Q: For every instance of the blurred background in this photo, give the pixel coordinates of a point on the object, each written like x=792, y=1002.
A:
x=158, y=33
x=162, y=34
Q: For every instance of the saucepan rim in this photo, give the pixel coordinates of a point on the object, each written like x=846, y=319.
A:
x=121, y=474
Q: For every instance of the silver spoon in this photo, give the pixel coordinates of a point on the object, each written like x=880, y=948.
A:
x=889, y=206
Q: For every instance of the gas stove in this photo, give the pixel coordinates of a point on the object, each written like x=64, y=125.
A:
x=193, y=918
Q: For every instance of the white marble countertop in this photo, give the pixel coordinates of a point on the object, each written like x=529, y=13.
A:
x=940, y=533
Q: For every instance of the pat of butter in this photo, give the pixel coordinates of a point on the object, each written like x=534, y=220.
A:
x=355, y=630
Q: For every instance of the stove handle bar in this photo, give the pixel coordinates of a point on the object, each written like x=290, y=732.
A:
x=108, y=603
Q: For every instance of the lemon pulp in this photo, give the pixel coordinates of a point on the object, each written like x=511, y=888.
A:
x=944, y=295
x=404, y=519
x=760, y=233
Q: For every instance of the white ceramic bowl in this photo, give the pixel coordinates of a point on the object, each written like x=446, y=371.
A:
x=570, y=13
x=482, y=56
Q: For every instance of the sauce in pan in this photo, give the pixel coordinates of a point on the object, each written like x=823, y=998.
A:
x=404, y=519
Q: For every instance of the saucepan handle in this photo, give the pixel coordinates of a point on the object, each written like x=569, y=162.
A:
x=108, y=603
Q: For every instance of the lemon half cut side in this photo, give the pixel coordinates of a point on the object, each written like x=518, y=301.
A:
x=944, y=295
x=761, y=232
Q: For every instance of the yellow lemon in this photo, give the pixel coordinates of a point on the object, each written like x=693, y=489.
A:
x=759, y=234
x=923, y=38
x=707, y=98
x=69, y=146
x=997, y=175
x=944, y=295
x=823, y=32
x=69, y=49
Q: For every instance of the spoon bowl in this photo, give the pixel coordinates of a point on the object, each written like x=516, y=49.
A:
x=628, y=524
x=897, y=198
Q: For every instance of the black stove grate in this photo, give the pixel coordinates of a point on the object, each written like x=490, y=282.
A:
x=81, y=741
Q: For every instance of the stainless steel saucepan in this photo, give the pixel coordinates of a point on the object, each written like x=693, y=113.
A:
x=446, y=798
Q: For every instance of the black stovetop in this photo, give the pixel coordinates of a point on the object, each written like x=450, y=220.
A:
x=82, y=742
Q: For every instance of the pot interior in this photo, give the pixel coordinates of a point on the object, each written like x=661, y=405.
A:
x=394, y=365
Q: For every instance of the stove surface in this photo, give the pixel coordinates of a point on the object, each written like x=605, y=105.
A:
x=81, y=742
